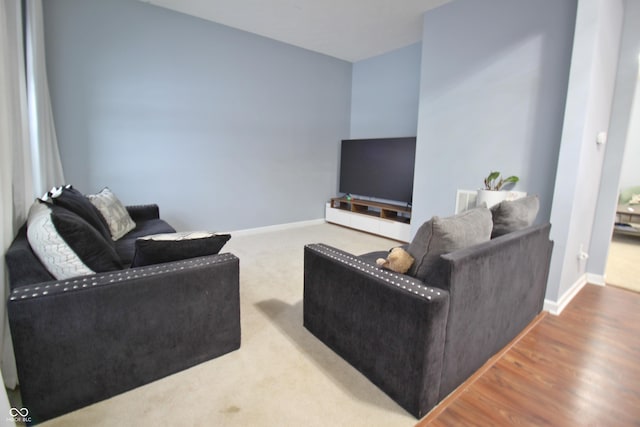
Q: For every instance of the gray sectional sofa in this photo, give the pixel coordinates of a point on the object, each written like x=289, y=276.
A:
x=418, y=338
x=83, y=339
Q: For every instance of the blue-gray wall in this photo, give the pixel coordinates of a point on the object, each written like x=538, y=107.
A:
x=623, y=145
x=628, y=95
x=580, y=163
x=385, y=94
x=223, y=129
x=494, y=96
x=630, y=171
x=493, y=86
x=228, y=130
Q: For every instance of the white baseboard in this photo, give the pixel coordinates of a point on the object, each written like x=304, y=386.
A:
x=596, y=279
x=277, y=227
x=556, y=308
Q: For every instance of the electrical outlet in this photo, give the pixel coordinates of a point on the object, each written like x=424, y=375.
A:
x=582, y=255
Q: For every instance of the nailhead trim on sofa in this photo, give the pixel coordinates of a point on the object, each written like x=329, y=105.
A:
x=101, y=279
x=402, y=281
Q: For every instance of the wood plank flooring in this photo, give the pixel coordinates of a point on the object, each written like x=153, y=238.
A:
x=581, y=368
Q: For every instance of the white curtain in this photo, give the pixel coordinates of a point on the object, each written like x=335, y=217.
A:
x=22, y=114
x=47, y=167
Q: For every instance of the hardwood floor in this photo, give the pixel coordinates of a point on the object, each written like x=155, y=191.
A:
x=581, y=368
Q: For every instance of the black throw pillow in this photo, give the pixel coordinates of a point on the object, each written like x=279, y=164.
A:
x=66, y=244
x=160, y=248
x=73, y=200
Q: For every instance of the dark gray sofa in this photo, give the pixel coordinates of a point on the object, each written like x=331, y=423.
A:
x=85, y=339
x=419, y=341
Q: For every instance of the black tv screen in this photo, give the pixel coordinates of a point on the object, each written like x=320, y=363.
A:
x=380, y=168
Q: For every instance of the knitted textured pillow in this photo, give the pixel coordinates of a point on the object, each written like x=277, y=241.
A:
x=66, y=244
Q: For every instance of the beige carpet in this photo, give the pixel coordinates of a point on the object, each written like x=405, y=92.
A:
x=623, y=264
x=281, y=375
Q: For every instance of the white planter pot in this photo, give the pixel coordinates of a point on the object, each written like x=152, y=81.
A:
x=490, y=197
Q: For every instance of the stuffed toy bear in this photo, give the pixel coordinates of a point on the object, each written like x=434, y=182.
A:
x=398, y=260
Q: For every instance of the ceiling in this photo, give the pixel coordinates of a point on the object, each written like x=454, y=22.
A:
x=346, y=29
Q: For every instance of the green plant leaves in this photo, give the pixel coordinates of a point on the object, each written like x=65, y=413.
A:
x=495, y=183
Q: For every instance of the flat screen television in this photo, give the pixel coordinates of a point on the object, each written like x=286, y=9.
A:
x=380, y=168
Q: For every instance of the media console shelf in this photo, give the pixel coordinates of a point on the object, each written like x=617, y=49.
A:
x=384, y=219
x=368, y=207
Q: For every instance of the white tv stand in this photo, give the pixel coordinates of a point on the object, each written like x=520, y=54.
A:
x=383, y=219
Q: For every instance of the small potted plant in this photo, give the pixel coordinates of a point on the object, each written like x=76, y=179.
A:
x=491, y=194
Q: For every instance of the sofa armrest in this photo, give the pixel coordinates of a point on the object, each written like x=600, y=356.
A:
x=82, y=340
x=144, y=212
x=389, y=326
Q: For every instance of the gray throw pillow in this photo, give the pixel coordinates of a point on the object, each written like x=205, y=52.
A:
x=439, y=236
x=513, y=215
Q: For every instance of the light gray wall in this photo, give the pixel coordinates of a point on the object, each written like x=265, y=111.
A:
x=225, y=130
x=493, y=86
x=589, y=100
x=385, y=94
x=622, y=146
x=630, y=176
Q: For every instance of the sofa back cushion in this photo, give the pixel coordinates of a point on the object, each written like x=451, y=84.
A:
x=66, y=244
x=443, y=235
x=513, y=215
x=126, y=246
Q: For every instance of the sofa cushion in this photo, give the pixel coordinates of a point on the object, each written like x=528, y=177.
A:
x=114, y=213
x=66, y=244
x=169, y=247
x=443, y=235
x=371, y=257
x=512, y=215
x=73, y=200
x=126, y=245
